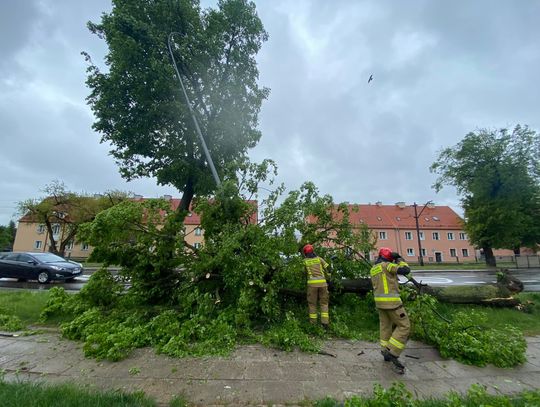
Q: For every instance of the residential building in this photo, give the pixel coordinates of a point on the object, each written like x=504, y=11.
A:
x=33, y=237
x=440, y=231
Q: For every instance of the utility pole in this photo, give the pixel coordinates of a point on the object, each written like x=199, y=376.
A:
x=416, y=216
x=197, y=128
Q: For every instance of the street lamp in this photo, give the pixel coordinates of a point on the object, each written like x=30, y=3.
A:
x=198, y=129
x=416, y=216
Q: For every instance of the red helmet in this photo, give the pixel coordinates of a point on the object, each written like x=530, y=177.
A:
x=307, y=249
x=386, y=253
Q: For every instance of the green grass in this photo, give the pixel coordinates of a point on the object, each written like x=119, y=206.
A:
x=397, y=395
x=37, y=394
x=27, y=305
x=527, y=321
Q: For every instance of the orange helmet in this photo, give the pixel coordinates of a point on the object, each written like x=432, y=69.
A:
x=386, y=253
x=307, y=249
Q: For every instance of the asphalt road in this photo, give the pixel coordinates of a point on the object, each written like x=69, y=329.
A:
x=529, y=277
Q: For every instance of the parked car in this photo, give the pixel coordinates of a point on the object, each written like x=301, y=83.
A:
x=42, y=267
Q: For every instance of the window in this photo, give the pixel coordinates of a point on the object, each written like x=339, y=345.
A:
x=435, y=218
x=69, y=246
x=465, y=252
x=463, y=236
x=56, y=229
x=38, y=244
x=40, y=229
x=436, y=236
x=421, y=235
x=453, y=253
x=198, y=232
x=450, y=236
x=410, y=252
x=408, y=235
x=84, y=247
x=424, y=252
x=382, y=236
x=197, y=245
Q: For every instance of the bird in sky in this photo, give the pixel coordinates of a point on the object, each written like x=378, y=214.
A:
x=370, y=78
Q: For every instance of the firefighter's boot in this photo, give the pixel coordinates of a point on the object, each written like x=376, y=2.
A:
x=396, y=364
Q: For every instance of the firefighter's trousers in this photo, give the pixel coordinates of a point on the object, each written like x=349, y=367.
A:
x=321, y=294
x=394, y=329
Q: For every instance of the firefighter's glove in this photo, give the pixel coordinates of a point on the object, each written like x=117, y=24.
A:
x=403, y=268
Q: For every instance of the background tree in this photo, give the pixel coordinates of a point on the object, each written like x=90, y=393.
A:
x=66, y=211
x=138, y=105
x=497, y=173
x=7, y=236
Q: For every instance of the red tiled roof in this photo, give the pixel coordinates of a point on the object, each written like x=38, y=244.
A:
x=378, y=216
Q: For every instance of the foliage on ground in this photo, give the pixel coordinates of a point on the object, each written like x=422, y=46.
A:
x=465, y=335
x=9, y=323
x=398, y=396
x=242, y=285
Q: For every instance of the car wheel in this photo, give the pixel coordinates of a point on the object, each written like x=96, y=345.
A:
x=70, y=280
x=43, y=277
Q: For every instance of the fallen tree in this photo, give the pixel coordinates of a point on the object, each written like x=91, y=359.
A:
x=499, y=294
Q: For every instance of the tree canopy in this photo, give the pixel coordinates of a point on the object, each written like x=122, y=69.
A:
x=68, y=210
x=497, y=174
x=137, y=102
x=7, y=236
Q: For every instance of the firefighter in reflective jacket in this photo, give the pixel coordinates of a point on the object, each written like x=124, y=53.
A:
x=317, y=288
x=393, y=320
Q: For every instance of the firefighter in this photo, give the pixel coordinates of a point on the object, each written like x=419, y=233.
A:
x=393, y=319
x=317, y=287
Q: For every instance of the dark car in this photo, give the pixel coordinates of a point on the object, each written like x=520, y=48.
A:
x=42, y=267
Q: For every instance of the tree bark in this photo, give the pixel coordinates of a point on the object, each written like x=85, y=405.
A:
x=490, y=258
x=499, y=294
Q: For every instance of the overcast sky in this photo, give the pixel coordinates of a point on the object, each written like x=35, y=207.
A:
x=440, y=69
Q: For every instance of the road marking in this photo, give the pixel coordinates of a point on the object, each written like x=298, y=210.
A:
x=475, y=282
x=436, y=280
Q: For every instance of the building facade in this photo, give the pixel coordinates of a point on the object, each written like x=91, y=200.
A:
x=33, y=236
x=439, y=237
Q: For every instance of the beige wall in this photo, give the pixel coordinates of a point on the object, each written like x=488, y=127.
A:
x=30, y=238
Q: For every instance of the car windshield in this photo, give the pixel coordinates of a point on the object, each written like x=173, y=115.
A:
x=48, y=257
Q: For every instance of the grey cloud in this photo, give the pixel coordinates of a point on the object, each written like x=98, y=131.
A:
x=441, y=69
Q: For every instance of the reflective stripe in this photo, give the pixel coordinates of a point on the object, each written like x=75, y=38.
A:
x=385, y=283
x=324, y=314
x=387, y=299
x=375, y=270
x=311, y=262
x=391, y=267
x=316, y=281
x=384, y=343
x=396, y=343
x=313, y=316
x=403, y=264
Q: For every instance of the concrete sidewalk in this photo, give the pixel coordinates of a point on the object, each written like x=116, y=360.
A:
x=254, y=375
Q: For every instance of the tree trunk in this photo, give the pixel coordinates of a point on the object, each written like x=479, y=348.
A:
x=499, y=294
x=187, y=197
x=490, y=258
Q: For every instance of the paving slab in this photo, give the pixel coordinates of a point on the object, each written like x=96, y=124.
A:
x=255, y=376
